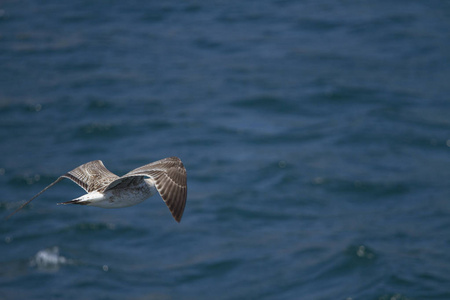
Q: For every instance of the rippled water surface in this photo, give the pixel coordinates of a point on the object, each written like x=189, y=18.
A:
x=315, y=134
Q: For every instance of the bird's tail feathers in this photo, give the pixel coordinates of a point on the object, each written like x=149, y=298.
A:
x=86, y=199
x=76, y=201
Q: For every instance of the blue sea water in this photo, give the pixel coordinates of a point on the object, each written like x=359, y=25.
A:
x=315, y=134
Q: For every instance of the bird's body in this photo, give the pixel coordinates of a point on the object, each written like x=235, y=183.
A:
x=107, y=190
x=118, y=198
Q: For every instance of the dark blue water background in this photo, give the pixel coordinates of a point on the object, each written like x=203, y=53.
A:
x=316, y=136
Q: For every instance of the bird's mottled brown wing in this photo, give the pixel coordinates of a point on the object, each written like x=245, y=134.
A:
x=170, y=179
x=91, y=176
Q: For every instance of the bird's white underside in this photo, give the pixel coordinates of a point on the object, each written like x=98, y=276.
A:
x=118, y=198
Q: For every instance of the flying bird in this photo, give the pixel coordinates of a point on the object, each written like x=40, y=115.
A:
x=107, y=190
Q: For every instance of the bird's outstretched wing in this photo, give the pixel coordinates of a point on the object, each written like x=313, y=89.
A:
x=170, y=179
x=90, y=176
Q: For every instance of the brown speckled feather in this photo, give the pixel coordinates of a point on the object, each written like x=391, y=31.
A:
x=92, y=176
x=170, y=179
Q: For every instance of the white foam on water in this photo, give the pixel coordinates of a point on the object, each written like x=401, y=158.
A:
x=48, y=259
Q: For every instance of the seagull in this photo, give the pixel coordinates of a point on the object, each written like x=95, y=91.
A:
x=107, y=190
